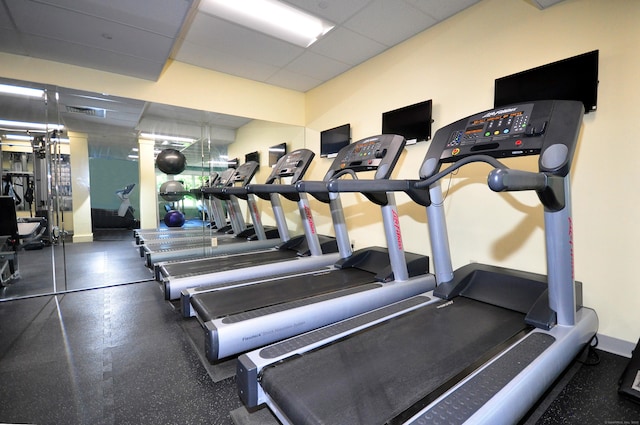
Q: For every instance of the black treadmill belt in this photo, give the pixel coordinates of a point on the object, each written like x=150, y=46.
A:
x=219, y=264
x=215, y=304
x=375, y=375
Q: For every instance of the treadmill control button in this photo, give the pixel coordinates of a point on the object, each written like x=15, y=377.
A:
x=380, y=153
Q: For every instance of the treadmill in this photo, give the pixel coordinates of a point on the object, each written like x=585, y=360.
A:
x=217, y=220
x=247, y=316
x=300, y=253
x=212, y=245
x=249, y=274
x=216, y=207
x=482, y=347
x=156, y=239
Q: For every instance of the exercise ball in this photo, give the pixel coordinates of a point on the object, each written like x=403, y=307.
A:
x=171, y=161
x=168, y=191
x=174, y=218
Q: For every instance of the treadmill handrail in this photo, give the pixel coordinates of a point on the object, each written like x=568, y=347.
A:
x=263, y=191
x=379, y=186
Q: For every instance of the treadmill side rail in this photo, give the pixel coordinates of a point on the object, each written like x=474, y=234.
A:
x=234, y=337
x=511, y=400
x=251, y=364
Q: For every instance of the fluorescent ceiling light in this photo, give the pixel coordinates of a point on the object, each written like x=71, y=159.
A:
x=163, y=137
x=23, y=91
x=18, y=137
x=133, y=156
x=270, y=17
x=30, y=125
x=28, y=138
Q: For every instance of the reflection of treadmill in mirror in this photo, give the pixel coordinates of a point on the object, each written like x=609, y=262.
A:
x=300, y=253
x=244, y=317
x=161, y=238
x=217, y=224
x=485, y=345
x=210, y=245
x=245, y=272
x=214, y=223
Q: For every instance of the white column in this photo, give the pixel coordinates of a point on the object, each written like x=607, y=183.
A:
x=148, y=195
x=80, y=184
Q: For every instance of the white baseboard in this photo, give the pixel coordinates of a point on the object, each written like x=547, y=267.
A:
x=615, y=345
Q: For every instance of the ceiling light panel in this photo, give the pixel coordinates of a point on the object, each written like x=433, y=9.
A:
x=270, y=17
x=21, y=91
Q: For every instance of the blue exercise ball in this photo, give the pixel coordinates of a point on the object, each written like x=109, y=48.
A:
x=174, y=218
x=171, y=161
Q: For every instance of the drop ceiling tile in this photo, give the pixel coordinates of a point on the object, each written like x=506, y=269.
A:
x=160, y=16
x=317, y=66
x=10, y=42
x=347, y=46
x=334, y=11
x=79, y=29
x=292, y=80
x=373, y=21
x=441, y=10
x=5, y=22
x=57, y=51
x=219, y=35
x=226, y=62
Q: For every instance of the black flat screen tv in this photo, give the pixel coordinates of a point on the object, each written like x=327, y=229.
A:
x=252, y=156
x=276, y=152
x=334, y=139
x=574, y=78
x=413, y=122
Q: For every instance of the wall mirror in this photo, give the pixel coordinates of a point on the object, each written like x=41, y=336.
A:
x=56, y=140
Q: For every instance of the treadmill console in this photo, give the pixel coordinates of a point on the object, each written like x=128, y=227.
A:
x=245, y=172
x=379, y=153
x=293, y=164
x=547, y=128
x=213, y=179
x=225, y=178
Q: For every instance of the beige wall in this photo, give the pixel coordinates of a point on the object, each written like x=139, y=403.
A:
x=455, y=64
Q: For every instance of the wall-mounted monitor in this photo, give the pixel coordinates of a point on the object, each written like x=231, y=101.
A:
x=276, y=152
x=334, y=139
x=574, y=78
x=413, y=122
x=252, y=156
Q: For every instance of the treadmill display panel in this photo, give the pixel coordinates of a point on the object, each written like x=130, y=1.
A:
x=291, y=162
x=499, y=132
x=546, y=128
x=373, y=153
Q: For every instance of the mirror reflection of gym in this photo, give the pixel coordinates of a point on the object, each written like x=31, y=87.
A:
x=112, y=137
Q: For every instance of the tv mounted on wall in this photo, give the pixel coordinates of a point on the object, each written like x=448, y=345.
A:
x=252, y=156
x=334, y=139
x=413, y=122
x=574, y=78
x=276, y=152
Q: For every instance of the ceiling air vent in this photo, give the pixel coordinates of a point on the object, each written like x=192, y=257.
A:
x=92, y=112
